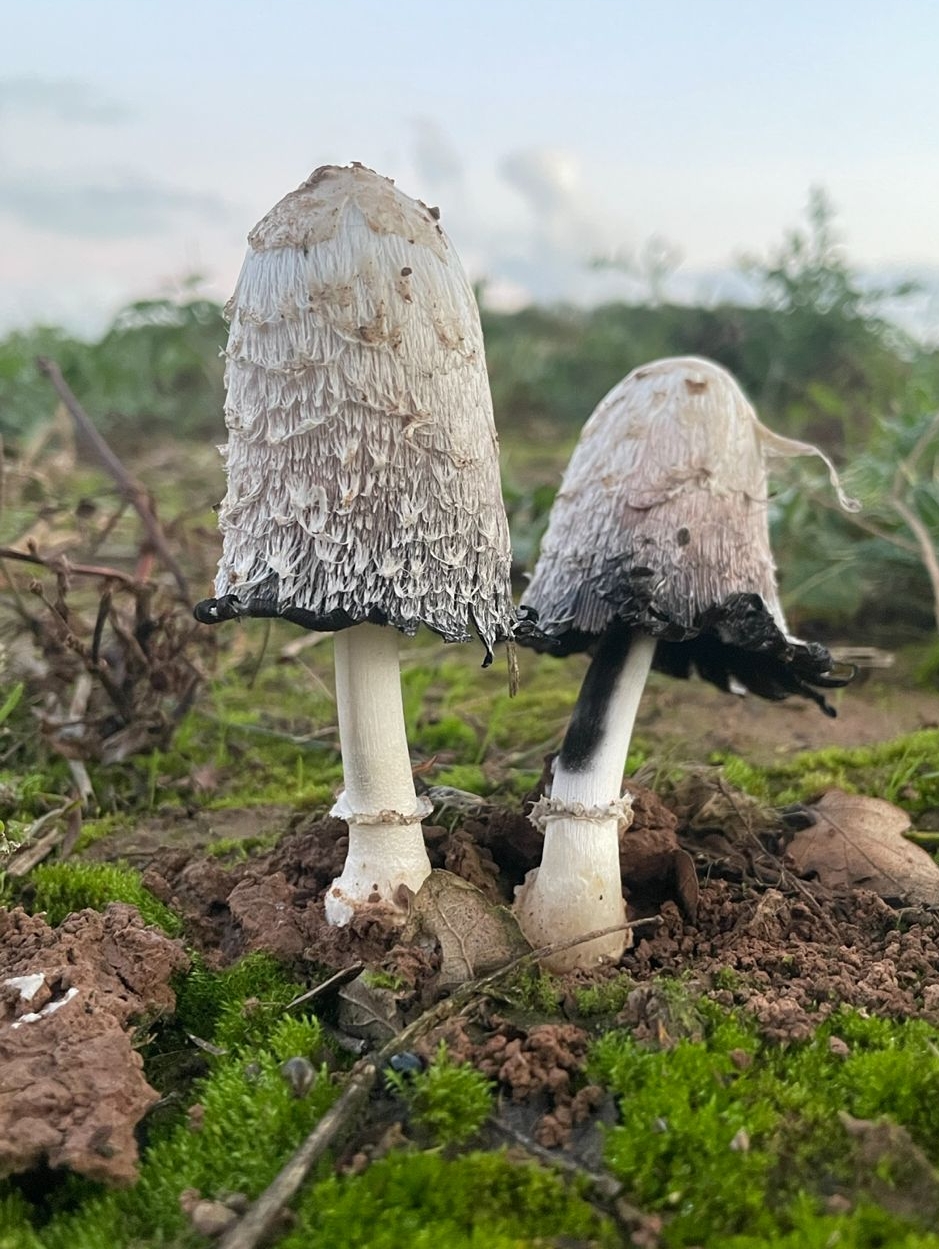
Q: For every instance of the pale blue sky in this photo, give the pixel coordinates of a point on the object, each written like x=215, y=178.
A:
x=140, y=140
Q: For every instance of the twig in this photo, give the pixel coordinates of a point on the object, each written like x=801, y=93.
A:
x=333, y=982
x=26, y=859
x=602, y=1188
x=130, y=489
x=257, y=1225
x=60, y=564
x=927, y=552
x=261, y=1219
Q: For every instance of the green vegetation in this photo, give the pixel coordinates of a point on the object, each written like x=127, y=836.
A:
x=904, y=771
x=737, y=1141
x=451, y=1101
x=422, y=1200
x=58, y=889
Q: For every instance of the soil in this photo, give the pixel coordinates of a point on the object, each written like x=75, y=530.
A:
x=690, y=719
x=729, y=905
x=72, y=1088
x=709, y=866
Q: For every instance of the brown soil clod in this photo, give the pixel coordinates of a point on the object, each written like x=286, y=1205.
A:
x=72, y=1088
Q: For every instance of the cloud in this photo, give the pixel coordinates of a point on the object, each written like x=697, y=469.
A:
x=436, y=160
x=65, y=99
x=549, y=181
x=116, y=206
x=550, y=257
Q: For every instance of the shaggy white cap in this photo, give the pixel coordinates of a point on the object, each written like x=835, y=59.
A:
x=662, y=513
x=363, y=476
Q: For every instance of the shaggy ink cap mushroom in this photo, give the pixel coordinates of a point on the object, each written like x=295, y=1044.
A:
x=363, y=476
x=656, y=554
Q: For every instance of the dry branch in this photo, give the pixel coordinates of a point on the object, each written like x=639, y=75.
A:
x=129, y=488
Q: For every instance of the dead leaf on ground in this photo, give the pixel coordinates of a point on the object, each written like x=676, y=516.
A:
x=857, y=843
x=368, y=1010
x=475, y=935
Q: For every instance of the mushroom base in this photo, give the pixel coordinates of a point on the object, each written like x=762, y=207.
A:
x=382, y=857
x=570, y=894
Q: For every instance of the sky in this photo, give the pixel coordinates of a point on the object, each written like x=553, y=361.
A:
x=140, y=140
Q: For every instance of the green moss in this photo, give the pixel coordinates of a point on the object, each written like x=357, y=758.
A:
x=237, y=849
x=724, y=1148
x=903, y=771
x=608, y=997
x=15, y=1231
x=468, y=776
x=865, y=1227
x=251, y=1121
x=424, y=1201
x=451, y=1101
x=95, y=830
x=534, y=991
x=238, y=1006
x=727, y=978
x=377, y=978
x=58, y=889
x=447, y=732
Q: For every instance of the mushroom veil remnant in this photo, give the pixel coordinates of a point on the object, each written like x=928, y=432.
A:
x=363, y=478
x=657, y=554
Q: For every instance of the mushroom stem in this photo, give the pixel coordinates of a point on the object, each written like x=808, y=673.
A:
x=379, y=803
x=578, y=888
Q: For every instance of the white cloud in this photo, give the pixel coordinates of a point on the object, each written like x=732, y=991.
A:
x=65, y=99
x=115, y=205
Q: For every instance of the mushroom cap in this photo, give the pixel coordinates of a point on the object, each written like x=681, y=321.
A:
x=362, y=457
x=661, y=524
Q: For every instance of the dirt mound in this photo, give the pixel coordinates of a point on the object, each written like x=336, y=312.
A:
x=72, y=1088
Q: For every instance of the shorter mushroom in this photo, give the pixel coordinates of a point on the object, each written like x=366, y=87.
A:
x=657, y=554
x=363, y=478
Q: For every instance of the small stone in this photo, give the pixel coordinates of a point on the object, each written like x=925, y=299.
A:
x=838, y=1047
x=741, y=1059
x=741, y=1142
x=299, y=1073
x=837, y=1203
x=211, y=1218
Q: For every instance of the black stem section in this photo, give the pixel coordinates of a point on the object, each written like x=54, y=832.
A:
x=588, y=720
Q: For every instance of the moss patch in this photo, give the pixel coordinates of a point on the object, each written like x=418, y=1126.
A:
x=732, y=1136
x=61, y=888
x=424, y=1201
x=903, y=771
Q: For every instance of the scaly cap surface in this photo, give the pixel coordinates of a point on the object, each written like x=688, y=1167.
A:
x=661, y=523
x=362, y=458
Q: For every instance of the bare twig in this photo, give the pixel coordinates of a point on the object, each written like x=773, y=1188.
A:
x=927, y=552
x=258, y=1225
x=327, y=986
x=130, y=489
x=35, y=851
x=60, y=564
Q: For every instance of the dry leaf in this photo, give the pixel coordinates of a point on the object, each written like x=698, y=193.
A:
x=475, y=936
x=858, y=843
x=369, y=1010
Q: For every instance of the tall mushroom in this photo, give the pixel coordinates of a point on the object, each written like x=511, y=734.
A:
x=363, y=478
x=657, y=553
